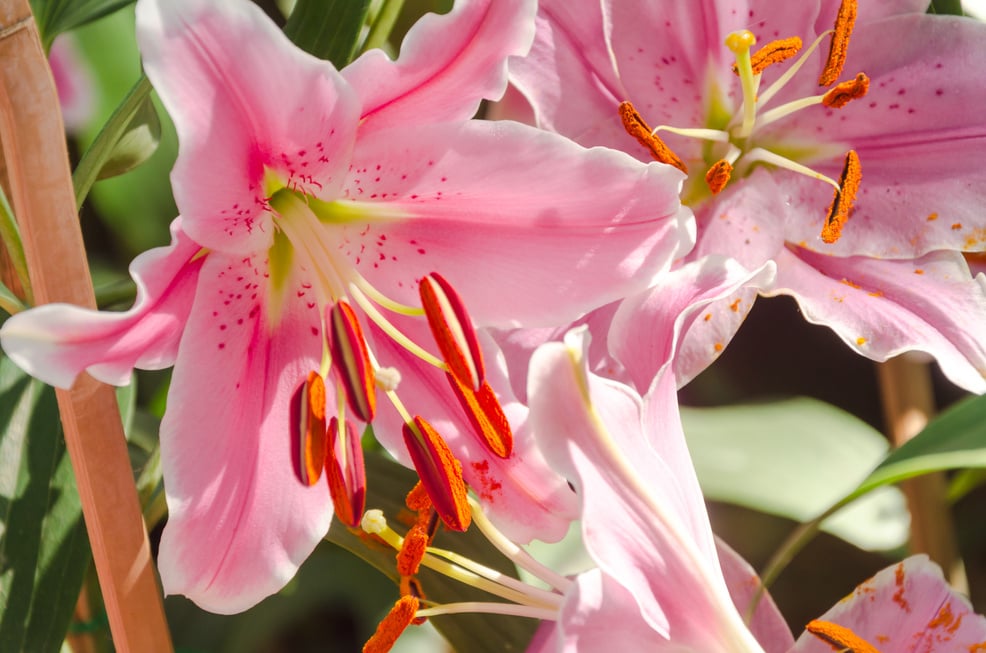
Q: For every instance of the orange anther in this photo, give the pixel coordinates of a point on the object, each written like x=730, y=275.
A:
x=843, y=93
x=411, y=586
x=453, y=330
x=486, y=416
x=773, y=52
x=844, y=23
x=718, y=175
x=308, y=425
x=640, y=130
x=839, y=637
x=393, y=625
x=346, y=473
x=412, y=550
x=842, y=203
x=440, y=473
x=418, y=499
x=351, y=360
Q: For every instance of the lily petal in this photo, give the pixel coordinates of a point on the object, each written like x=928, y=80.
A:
x=498, y=208
x=57, y=342
x=448, y=64
x=240, y=522
x=882, y=308
x=906, y=607
x=245, y=101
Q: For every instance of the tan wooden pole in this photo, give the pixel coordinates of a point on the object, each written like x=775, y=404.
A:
x=37, y=166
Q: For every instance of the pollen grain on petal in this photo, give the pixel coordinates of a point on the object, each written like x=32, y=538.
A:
x=634, y=124
x=718, y=175
x=839, y=637
x=845, y=92
x=842, y=202
x=844, y=23
x=774, y=52
x=452, y=329
x=486, y=416
x=308, y=426
x=393, y=625
x=440, y=473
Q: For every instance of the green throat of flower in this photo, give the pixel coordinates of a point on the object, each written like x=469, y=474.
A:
x=732, y=148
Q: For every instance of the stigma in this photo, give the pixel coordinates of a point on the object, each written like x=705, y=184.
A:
x=735, y=146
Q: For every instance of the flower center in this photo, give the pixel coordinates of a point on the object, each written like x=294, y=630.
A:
x=306, y=250
x=734, y=146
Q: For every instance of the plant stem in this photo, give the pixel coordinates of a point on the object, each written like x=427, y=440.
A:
x=384, y=23
x=34, y=151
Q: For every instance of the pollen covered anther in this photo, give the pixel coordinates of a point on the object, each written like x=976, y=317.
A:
x=393, y=625
x=773, y=52
x=636, y=127
x=718, y=175
x=346, y=473
x=440, y=473
x=844, y=23
x=845, y=92
x=308, y=426
x=842, y=202
x=839, y=637
x=486, y=416
x=351, y=360
x=453, y=330
x=412, y=551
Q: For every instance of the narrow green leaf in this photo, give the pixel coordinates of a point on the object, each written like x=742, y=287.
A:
x=130, y=136
x=956, y=439
x=795, y=458
x=44, y=552
x=57, y=16
x=953, y=7
x=11, y=235
x=387, y=485
x=328, y=29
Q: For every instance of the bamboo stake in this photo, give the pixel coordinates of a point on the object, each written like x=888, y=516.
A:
x=32, y=137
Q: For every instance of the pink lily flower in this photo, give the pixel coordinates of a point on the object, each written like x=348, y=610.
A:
x=765, y=146
x=660, y=585
x=313, y=200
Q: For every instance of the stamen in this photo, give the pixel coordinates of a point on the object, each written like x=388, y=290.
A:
x=440, y=473
x=411, y=586
x=477, y=607
x=393, y=625
x=351, y=359
x=636, y=127
x=844, y=23
x=393, y=332
x=346, y=473
x=842, y=94
x=412, y=550
x=842, y=203
x=486, y=416
x=453, y=330
x=718, y=175
x=774, y=52
x=839, y=637
x=418, y=499
x=308, y=417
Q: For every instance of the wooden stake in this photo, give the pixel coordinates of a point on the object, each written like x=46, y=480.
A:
x=34, y=151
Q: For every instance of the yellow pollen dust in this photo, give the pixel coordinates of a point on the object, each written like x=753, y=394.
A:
x=843, y=201
x=844, y=23
x=839, y=637
x=636, y=127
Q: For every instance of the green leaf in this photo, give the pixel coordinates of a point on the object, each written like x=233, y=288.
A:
x=387, y=485
x=956, y=439
x=328, y=29
x=57, y=16
x=795, y=458
x=44, y=552
x=129, y=137
x=953, y=7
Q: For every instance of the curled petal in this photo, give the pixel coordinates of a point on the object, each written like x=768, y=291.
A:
x=57, y=342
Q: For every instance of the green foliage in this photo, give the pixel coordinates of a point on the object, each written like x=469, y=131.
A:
x=328, y=29
x=953, y=7
x=795, y=458
x=387, y=485
x=57, y=16
x=44, y=552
